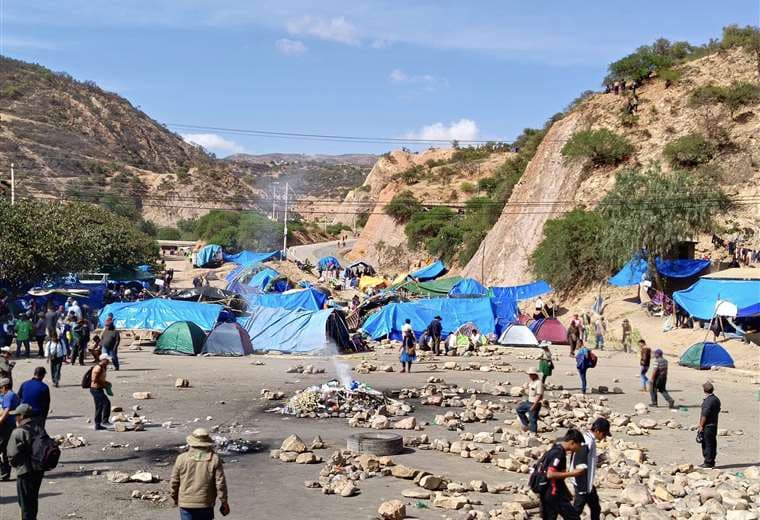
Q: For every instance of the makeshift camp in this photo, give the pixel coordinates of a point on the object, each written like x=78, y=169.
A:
x=430, y=272
x=139, y=277
x=455, y=312
x=373, y=282
x=705, y=355
x=468, y=288
x=700, y=299
x=517, y=335
x=306, y=299
x=181, y=338
x=361, y=268
x=432, y=289
x=296, y=331
x=750, y=311
x=328, y=262
x=228, y=339
x=209, y=256
x=244, y=258
x=549, y=329
x=636, y=269
x=158, y=313
x=90, y=294
x=523, y=292
x=210, y=294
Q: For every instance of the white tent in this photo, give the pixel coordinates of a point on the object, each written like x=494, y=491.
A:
x=518, y=335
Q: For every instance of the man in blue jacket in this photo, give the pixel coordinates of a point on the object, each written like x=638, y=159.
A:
x=36, y=394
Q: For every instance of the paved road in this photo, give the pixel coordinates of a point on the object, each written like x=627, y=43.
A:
x=313, y=252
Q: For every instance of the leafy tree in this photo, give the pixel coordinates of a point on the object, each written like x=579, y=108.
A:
x=403, y=206
x=601, y=147
x=235, y=230
x=747, y=37
x=43, y=240
x=734, y=96
x=361, y=219
x=169, y=233
x=437, y=230
x=689, y=151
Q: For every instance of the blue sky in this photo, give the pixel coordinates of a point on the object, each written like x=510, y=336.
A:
x=422, y=68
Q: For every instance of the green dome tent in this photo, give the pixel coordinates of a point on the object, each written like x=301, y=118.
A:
x=181, y=338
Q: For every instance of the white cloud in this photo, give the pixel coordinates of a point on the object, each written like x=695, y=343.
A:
x=462, y=130
x=290, y=47
x=425, y=81
x=381, y=43
x=25, y=43
x=213, y=143
x=337, y=29
x=398, y=76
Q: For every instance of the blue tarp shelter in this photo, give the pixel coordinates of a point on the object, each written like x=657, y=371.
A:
x=298, y=331
x=157, y=314
x=430, y=272
x=244, y=258
x=468, y=288
x=749, y=311
x=700, y=299
x=208, y=255
x=95, y=298
x=307, y=299
x=636, y=269
x=523, y=292
x=454, y=311
x=328, y=261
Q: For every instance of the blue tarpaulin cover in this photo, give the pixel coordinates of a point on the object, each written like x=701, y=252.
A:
x=429, y=272
x=504, y=306
x=250, y=257
x=468, y=288
x=635, y=270
x=524, y=292
x=289, y=331
x=208, y=254
x=700, y=299
x=752, y=310
x=454, y=311
x=157, y=314
x=328, y=261
x=95, y=298
x=308, y=299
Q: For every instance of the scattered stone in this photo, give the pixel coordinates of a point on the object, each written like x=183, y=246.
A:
x=416, y=494
x=306, y=458
x=407, y=423
x=392, y=510
x=450, y=502
x=294, y=444
x=182, y=383
x=405, y=472
x=318, y=444
x=117, y=477
x=431, y=482
x=144, y=476
x=141, y=395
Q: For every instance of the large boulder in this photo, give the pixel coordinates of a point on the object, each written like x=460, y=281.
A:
x=392, y=510
x=294, y=443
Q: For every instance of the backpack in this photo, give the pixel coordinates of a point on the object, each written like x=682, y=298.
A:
x=45, y=452
x=592, y=359
x=537, y=481
x=87, y=378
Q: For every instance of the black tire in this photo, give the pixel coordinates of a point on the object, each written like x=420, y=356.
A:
x=380, y=444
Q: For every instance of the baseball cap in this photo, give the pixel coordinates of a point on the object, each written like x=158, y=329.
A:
x=23, y=409
x=602, y=425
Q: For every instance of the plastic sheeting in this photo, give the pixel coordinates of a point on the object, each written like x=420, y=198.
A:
x=504, y=306
x=433, y=288
x=749, y=311
x=245, y=258
x=157, y=314
x=328, y=261
x=527, y=291
x=468, y=288
x=95, y=297
x=429, y=272
x=371, y=281
x=700, y=299
x=295, y=331
x=308, y=299
x=636, y=269
x=455, y=312
x=208, y=254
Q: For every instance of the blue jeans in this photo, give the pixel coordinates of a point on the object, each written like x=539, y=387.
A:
x=527, y=416
x=196, y=513
x=600, y=341
x=582, y=373
x=644, y=378
x=114, y=353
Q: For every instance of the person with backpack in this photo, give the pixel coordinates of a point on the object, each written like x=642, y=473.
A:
x=7, y=423
x=55, y=353
x=660, y=380
x=98, y=387
x=36, y=394
x=584, y=360
x=549, y=474
x=408, y=350
x=586, y=459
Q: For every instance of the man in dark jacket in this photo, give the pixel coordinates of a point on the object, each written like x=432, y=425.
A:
x=36, y=394
x=708, y=425
x=109, y=342
x=555, y=500
x=28, y=480
x=434, y=330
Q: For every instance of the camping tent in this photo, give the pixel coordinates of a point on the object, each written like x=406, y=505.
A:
x=209, y=255
x=364, y=266
x=705, y=355
x=454, y=311
x=307, y=299
x=636, y=269
x=158, y=313
x=367, y=281
x=228, y=339
x=518, y=335
x=700, y=299
x=244, y=258
x=431, y=289
x=327, y=262
x=549, y=329
x=429, y=272
x=468, y=288
x=181, y=337
x=296, y=331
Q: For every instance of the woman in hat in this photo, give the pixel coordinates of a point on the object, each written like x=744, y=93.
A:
x=545, y=363
x=198, y=479
x=408, y=349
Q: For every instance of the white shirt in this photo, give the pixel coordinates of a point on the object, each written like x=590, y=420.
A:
x=76, y=310
x=535, y=390
x=539, y=303
x=585, y=482
x=406, y=327
x=54, y=349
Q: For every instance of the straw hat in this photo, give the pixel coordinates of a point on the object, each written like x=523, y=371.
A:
x=532, y=372
x=200, y=438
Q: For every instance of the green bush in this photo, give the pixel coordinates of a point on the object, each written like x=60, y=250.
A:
x=436, y=230
x=403, y=207
x=361, y=219
x=734, y=96
x=689, y=151
x=601, y=147
x=235, y=230
x=410, y=176
x=169, y=233
x=336, y=229
x=11, y=92
x=669, y=76
x=468, y=187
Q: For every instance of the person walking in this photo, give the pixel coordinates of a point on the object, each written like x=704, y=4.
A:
x=6, y=365
x=198, y=479
x=77, y=341
x=408, y=350
x=555, y=499
x=98, y=387
x=8, y=403
x=528, y=410
x=36, y=394
x=626, y=340
x=545, y=362
x=660, y=380
x=55, y=353
x=28, y=479
x=582, y=364
x=600, y=329
x=24, y=329
x=40, y=328
x=434, y=330
x=573, y=337
x=645, y=359
x=586, y=459
x=708, y=425
x=109, y=342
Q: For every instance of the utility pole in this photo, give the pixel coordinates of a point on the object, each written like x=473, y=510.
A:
x=13, y=186
x=285, y=225
x=274, y=201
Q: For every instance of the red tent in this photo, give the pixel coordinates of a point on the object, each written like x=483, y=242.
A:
x=550, y=329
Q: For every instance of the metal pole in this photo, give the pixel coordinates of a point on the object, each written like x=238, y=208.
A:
x=274, y=199
x=13, y=185
x=285, y=224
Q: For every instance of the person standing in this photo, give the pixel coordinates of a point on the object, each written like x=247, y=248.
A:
x=545, y=363
x=660, y=380
x=40, y=328
x=24, y=329
x=626, y=340
x=76, y=309
x=6, y=365
x=51, y=320
x=36, y=394
x=28, y=479
x=77, y=348
x=435, y=329
x=408, y=350
x=708, y=425
x=600, y=329
x=645, y=359
x=98, y=386
x=555, y=499
x=586, y=459
x=582, y=364
x=528, y=410
x=198, y=479
x=110, y=339
x=55, y=353
x=7, y=423
x=573, y=337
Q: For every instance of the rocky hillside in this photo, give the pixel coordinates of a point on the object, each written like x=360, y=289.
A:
x=664, y=114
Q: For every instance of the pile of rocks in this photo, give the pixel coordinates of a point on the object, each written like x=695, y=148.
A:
x=272, y=395
x=308, y=369
x=69, y=441
x=134, y=422
x=120, y=477
x=293, y=449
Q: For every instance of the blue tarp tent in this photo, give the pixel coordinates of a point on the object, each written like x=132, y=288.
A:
x=298, y=331
x=307, y=299
x=157, y=314
x=750, y=311
x=328, y=261
x=636, y=269
x=523, y=292
x=705, y=355
x=468, y=288
x=250, y=257
x=208, y=255
x=430, y=272
x=455, y=312
x=504, y=306
x=700, y=299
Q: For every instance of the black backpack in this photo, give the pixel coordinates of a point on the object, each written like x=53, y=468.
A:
x=45, y=451
x=87, y=378
x=537, y=481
